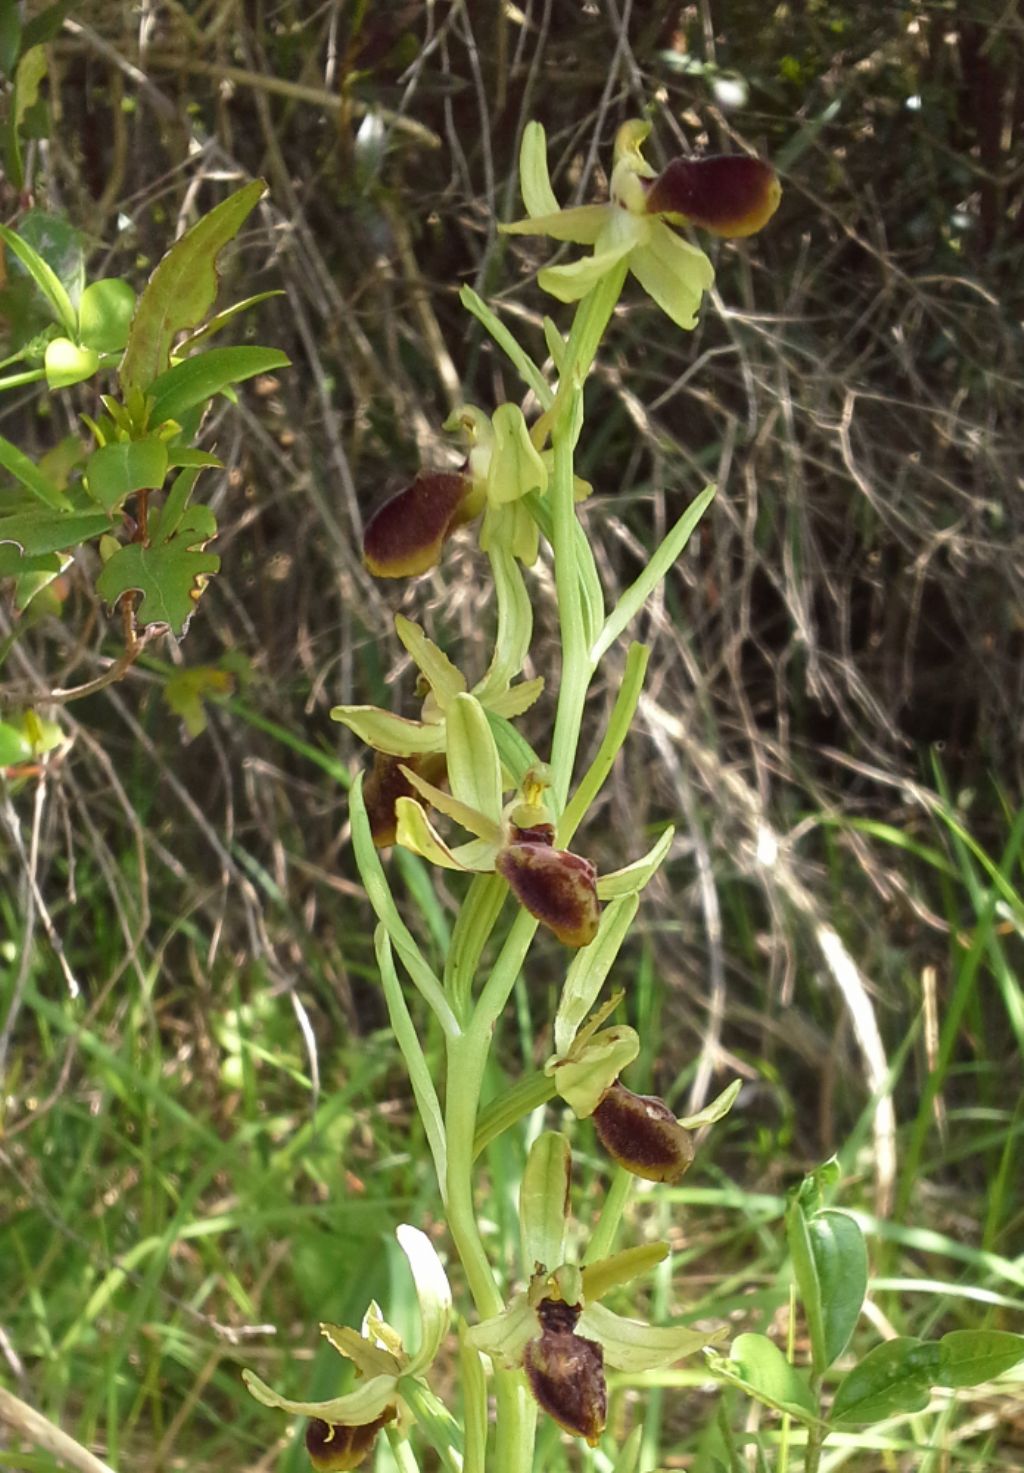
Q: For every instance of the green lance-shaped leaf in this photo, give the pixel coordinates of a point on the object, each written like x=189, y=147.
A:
x=182, y=288
x=168, y=575
x=104, y=315
x=841, y=1261
x=805, y=1272
x=758, y=1366
x=116, y=471
x=25, y=470
x=589, y=969
x=969, y=1357
x=544, y=1200
x=40, y=530
x=894, y=1378
x=197, y=379
x=45, y=278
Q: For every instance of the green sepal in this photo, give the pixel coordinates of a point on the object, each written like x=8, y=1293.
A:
x=544, y=1200
x=634, y=877
x=474, y=768
x=589, y=969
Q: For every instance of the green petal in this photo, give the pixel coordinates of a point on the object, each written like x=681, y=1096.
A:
x=369, y=1359
x=673, y=273
x=608, y=1273
x=441, y=675
x=516, y=466
x=582, y=224
x=474, y=770
x=365, y=1404
x=582, y=1080
x=432, y=1291
x=414, y=831
x=506, y=1335
x=589, y=969
x=633, y=878
x=517, y=699
x=570, y=283
x=534, y=180
x=385, y=732
x=630, y=1345
x=544, y=1199
x=477, y=823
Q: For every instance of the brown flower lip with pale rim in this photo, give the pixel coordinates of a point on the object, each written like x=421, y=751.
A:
x=335, y=1449
x=728, y=194
x=405, y=536
x=557, y=887
x=640, y=1133
x=566, y=1372
x=386, y=783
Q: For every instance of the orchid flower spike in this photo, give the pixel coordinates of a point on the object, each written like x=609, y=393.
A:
x=342, y=1430
x=729, y=196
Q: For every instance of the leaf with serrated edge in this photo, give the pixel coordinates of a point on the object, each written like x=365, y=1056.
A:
x=165, y=575
x=182, y=288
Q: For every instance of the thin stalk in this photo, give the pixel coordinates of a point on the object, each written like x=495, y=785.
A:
x=466, y=1059
x=576, y=665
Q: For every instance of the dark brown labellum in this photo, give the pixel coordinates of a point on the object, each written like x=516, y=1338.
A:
x=566, y=1375
x=334, y=1449
x=731, y=195
x=387, y=783
x=557, y=887
x=641, y=1133
x=406, y=534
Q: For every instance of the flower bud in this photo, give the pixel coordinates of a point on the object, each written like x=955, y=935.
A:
x=728, y=194
x=641, y=1133
x=566, y=1372
x=557, y=887
x=406, y=534
x=335, y=1449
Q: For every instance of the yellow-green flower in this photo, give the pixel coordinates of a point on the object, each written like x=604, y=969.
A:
x=729, y=196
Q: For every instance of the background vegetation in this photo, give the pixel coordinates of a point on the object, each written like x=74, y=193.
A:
x=206, y=1138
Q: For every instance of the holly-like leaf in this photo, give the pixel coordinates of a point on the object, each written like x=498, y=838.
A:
x=198, y=379
x=169, y=575
x=182, y=288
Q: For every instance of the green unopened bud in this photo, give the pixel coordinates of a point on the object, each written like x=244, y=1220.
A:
x=641, y=1134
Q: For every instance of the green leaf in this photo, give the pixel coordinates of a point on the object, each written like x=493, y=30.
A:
x=44, y=276
x=220, y=320
x=14, y=563
x=169, y=575
x=806, y=1274
x=589, y=969
x=105, y=314
x=41, y=530
x=969, y=1357
x=716, y=1110
x=10, y=36
x=115, y=471
x=44, y=26
x=841, y=1260
x=182, y=288
x=632, y=878
x=893, y=1378
x=198, y=379
x=31, y=477
x=167, y=519
x=758, y=1365
x=186, y=690
x=544, y=1200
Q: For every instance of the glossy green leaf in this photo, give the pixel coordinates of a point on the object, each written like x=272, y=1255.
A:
x=841, y=1261
x=41, y=530
x=44, y=277
x=197, y=379
x=105, y=314
x=182, y=289
x=166, y=519
x=116, y=471
x=969, y=1357
x=25, y=470
x=66, y=363
x=544, y=1200
x=893, y=1378
x=169, y=576
x=220, y=320
x=15, y=564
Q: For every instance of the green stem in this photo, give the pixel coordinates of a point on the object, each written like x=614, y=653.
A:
x=466, y=1059
x=602, y=1239
x=576, y=666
